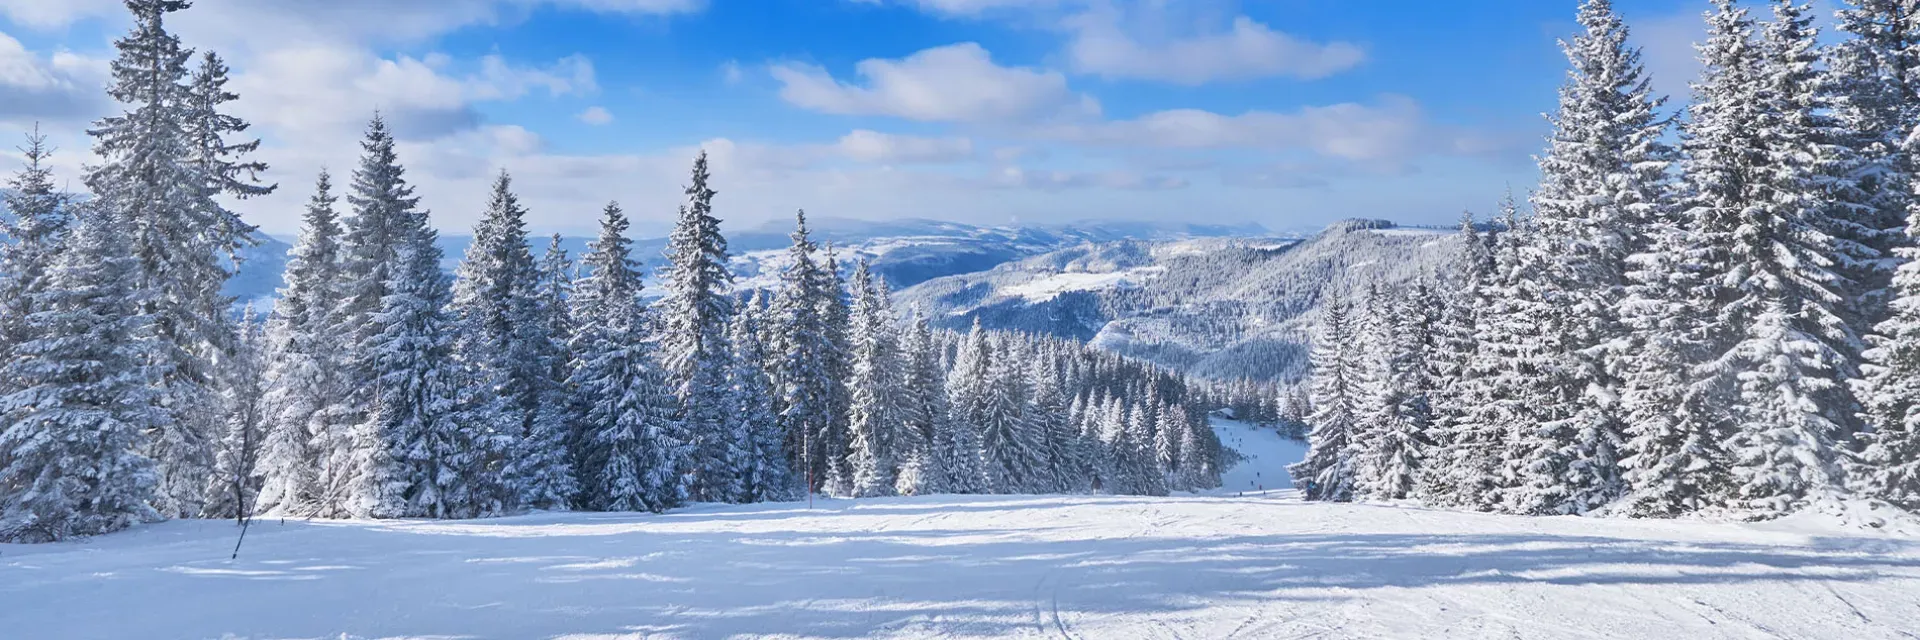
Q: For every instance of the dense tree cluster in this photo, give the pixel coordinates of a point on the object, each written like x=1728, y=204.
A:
x=381, y=387
x=1726, y=325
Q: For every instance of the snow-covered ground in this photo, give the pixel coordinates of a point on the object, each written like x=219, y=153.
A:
x=1258, y=565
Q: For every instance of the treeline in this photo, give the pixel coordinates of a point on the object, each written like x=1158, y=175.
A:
x=1730, y=325
x=381, y=387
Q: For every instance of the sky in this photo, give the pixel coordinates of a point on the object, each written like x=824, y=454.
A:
x=1287, y=113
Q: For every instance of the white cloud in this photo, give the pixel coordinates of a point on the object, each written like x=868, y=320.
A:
x=731, y=73
x=1016, y=177
x=60, y=87
x=1388, y=132
x=872, y=146
x=596, y=116
x=1247, y=50
x=953, y=83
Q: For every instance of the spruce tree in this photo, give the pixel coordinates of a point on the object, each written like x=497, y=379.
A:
x=38, y=219
x=83, y=401
x=163, y=165
x=875, y=411
x=804, y=370
x=415, y=456
x=1327, y=472
x=767, y=471
x=630, y=456
x=305, y=381
x=506, y=351
x=1889, y=465
x=233, y=489
x=693, y=316
x=927, y=437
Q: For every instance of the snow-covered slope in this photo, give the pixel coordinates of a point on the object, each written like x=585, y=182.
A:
x=1262, y=565
x=1215, y=307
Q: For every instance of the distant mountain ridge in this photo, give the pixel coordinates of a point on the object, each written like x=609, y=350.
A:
x=1214, y=307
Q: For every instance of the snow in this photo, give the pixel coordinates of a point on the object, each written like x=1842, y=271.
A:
x=1048, y=287
x=1264, y=453
x=1258, y=565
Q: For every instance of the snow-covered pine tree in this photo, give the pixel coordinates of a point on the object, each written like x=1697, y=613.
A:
x=875, y=415
x=926, y=430
x=1137, y=459
x=967, y=379
x=629, y=456
x=766, y=473
x=693, y=315
x=233, y=489
x=1603, y=175
x=1389, y=452
x=84, y=398
x=1888, y=467
x=1327, y=471
x=504, y=347
x=1758, y=173
x=804, y=371
x=1458, y=389
x=1009, y=449
x=1873, y=98
x=1671, y=461
x=1047, y=414
x=37, y=223
x=304, y=377
x=836, y=317
x=381, y=225
x=415, y=454
x=159, y=172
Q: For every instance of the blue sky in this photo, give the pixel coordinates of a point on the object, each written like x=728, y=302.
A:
x=1290, y=113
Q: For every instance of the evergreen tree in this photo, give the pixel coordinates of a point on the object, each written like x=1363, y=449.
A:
x=233, y=489
x=505, y=348
x=1009, y=449
x=766, y=472
x=35, y=227
x=631, y=455
x=1889, y=465
x=415, y=456
x=803, y=371
x=84, y=400
x=693, y=316
x=926, y=431
x=382, y=224
x=875, y=414
x=305, y=385
x=162, y=166
x=1047, y=414
x=1327, y=472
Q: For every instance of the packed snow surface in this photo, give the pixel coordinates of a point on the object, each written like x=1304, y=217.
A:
x=1258, y=565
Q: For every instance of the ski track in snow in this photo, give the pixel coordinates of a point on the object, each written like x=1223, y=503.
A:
x=1232, y=564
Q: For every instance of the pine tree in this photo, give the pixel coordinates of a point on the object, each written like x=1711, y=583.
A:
x=875, y=412
x=804, y=370
x=1779, y=337
x=630, y=453
x=84, y=400
x=37, y=223
x=1009, y=449
x=926, y=430
x=163, y=164
x=503, y=343
x=767, y=469
x=693, y=317
x=1889, y=466
x=1873, y=95
x=1327, y=472
x=415, y=454
x=1047, y=415
x=233, y=489
x=305, y=385
x=836, y=316
x=1453, y=470
x=382, y=224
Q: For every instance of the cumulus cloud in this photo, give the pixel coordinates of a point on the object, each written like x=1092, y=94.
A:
x=953, y=83
x=59, y=87
x=596, y=116
x=1052, y=180
x=1246, y=50
x=872, y=146
x=1391, y=130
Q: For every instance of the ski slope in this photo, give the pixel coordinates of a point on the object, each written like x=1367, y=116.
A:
x=1258, y=565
